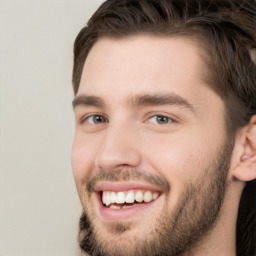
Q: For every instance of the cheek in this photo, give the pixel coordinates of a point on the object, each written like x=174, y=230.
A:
x=179, y=162
x=178, y=159
x=82, y=159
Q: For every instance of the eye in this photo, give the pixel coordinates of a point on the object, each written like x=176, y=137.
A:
x=95, y=119
x=158, y=119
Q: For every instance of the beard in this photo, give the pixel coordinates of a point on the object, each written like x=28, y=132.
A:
x=176, y=231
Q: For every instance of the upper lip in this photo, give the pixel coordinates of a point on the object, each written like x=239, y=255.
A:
x=124, y=186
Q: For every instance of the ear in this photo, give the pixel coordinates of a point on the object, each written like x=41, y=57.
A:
x=245, y=170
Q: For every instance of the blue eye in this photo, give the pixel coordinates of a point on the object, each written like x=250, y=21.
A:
x=158, y=119
x=96, y=119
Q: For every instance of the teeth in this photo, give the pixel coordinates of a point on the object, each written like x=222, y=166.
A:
x=104, y=198
x=129, y=198
x=111, y=197
x=148, y=197
x=107, y=198
x=120, y=198
x=139, y=197
x=155, y=195
x=112, y=206
x=126, y=206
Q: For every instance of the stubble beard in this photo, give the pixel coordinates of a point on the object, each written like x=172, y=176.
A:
x=176, y=231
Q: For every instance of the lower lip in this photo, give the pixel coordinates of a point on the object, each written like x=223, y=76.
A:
x=123, y=214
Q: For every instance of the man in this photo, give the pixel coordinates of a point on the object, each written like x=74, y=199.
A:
x=164, y=154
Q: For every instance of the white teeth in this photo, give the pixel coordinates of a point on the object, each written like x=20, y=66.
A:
x=129, y=198
x=139, y=197
x=104, y=197
x=112, y=197
x=109, y=198
x=155, y=195
x=120, y=198
x=126, y=206
x=112, y=206
x=148, y=197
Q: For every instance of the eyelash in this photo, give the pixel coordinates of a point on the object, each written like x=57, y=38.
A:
x=86, y=118
x=158, y=117
x=169, y=119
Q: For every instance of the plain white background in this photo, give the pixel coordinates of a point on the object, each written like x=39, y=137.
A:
x=39, y=207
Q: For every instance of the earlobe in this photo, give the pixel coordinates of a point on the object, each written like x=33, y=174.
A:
x=246, y=168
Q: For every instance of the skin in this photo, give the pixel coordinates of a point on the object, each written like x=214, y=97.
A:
x=119, y=71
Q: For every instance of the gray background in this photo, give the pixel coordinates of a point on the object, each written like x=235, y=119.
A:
x=39, y=207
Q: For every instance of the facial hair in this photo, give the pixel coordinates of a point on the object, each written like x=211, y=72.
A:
x=176, y=231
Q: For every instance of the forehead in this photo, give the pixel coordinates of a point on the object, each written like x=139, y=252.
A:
x=139, y=64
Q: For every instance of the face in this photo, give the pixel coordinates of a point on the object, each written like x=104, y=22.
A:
x=150, y=154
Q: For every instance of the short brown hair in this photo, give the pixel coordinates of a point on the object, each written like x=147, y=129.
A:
x=227, y=31
x=226, y=28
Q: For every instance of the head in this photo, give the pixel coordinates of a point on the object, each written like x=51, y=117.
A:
x=165, y=64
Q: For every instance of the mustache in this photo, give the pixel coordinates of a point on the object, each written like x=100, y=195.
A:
x=127, y=175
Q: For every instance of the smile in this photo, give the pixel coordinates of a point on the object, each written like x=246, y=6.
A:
x=127, y=199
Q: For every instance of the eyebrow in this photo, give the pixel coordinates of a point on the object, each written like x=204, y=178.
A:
x=87, y=101
x=137, y=101
x=162, y=99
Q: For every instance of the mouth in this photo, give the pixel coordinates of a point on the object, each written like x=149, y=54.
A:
x=119, y=202
x=127, y=199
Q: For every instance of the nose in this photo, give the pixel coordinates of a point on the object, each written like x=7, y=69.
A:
x=119, y=149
